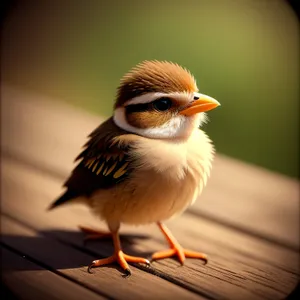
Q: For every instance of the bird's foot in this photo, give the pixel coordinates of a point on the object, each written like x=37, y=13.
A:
x=181, y=254
x=93, y=234
x=122, y=259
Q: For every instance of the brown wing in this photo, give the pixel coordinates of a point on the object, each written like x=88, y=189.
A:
x=103, y=163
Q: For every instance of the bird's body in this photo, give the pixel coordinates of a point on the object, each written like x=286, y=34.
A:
x=149, y=161
x=167, y=177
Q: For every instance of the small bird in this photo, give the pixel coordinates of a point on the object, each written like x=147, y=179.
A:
x=148, y=162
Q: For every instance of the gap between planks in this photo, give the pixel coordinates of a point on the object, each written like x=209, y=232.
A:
x=61, y=177
x=238, y=195
x=70, y=262
x=33, y=281
x=232, y=272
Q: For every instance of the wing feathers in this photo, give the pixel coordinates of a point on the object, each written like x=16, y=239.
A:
x=121, y=171
x=104, y=162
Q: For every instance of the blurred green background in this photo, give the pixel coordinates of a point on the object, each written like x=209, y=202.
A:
x=245, y=53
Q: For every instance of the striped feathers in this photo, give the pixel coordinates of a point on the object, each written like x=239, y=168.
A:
x=103, y=163
x=108, y=164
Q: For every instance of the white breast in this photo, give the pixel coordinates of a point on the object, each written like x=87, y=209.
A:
x=167, y=178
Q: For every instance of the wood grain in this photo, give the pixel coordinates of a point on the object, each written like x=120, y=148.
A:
x=235, y=272
x=246, y=220
x=51, y=135
x=72, y=264
x=29, y=280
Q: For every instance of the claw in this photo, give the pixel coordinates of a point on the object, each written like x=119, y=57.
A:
x=90, y=267
x=127, y=273
x=148, y=263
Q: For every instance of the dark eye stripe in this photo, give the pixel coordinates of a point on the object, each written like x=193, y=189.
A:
x=137, y=107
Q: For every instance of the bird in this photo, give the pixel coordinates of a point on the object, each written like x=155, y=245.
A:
x=148, y=162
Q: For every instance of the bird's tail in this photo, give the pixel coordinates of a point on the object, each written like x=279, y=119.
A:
x=61, y=200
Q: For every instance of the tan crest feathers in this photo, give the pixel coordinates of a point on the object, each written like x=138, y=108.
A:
x=155, y=76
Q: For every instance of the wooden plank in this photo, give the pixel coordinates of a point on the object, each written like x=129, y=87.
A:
x=61, y=130
x=234, y=193
x=30, y=281
x=71, y=263
x=228, y=239
x=233, y=271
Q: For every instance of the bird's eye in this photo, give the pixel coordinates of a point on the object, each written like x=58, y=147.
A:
x=162, y=104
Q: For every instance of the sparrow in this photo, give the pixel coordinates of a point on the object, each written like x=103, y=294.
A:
x=148, y=162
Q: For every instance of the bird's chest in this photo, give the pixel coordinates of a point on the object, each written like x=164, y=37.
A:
x=167, y=178
x=184, y=162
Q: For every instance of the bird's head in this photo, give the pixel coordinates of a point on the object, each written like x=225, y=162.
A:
x=160, y=100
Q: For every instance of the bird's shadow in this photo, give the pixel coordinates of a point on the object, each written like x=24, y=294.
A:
x=60, y=249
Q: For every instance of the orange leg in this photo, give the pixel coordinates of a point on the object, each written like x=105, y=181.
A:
x=118, y=257
x=175, y=248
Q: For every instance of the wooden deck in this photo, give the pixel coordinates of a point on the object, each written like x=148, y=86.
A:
x=247, y=221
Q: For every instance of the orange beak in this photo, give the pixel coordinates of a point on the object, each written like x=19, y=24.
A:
x=204, y=103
